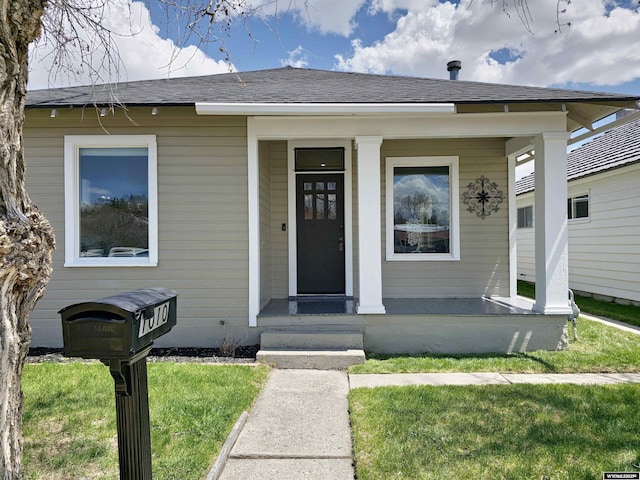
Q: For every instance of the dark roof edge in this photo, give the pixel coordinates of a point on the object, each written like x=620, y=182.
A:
x=623, y=103
x=71, y=106
x=593, y=100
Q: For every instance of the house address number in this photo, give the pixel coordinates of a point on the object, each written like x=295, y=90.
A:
x=159, y=318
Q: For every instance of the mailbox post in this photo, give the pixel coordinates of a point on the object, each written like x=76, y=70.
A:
x=119, y=330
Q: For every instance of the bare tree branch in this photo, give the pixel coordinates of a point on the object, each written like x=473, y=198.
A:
x=560, y=11
x=205, y=23
x=79, y=42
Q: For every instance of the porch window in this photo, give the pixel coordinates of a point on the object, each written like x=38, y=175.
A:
x=111, y=201
x=525, y=217
x=422, y=205
x=578, y=207
x=319, y=159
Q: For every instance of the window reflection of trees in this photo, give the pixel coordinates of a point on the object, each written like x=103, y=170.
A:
x=332, y=206
x=421, y=214
x=115, y=222
x=319, y=206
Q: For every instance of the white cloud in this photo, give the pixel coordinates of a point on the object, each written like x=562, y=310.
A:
x=332, y=16
x=297, y=58
x=144, y=54
x=326, y=17
x=599, y=47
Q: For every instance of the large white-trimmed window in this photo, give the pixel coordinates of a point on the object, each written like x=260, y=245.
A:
x=422, y=208
x=111, y=200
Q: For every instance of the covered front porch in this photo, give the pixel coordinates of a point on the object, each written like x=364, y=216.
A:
x=462, y=300
x=423, y=325
x=399, y=306
x=409, y=286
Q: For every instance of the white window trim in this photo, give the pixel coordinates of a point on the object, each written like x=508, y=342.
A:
x=573, y=196
x=453, y=164
x=532, y=217
x=72, y=145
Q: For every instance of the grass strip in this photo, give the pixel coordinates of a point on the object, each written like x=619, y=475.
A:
x=495, y=432
x=623, y=313
x=70, y=425
x=599, y=349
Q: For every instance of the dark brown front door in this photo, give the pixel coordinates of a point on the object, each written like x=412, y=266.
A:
x=320, y=234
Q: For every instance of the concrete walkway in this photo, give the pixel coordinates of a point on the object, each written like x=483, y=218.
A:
x=435, y=379
x=298, y=429
x=612, y=323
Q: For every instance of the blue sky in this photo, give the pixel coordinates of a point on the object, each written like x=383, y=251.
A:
x=117, y=176
x=599, y=51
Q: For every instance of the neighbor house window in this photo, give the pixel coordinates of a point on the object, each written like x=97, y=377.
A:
x=578, y=207
x=111, y=200
x=525, y=217
x=422, y=206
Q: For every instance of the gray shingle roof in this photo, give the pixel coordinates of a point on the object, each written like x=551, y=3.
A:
x=617, y=148
x=293, y=85
x=525, y=184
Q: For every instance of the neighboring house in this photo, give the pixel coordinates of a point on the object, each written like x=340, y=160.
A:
x=603, y=205
x=294, y=200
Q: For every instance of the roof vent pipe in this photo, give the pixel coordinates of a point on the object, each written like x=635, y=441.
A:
x=453, y=67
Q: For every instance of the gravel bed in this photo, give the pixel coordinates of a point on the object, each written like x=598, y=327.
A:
x=242, y=355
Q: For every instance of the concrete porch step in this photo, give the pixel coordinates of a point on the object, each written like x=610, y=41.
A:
x=311, y=359
x=300, y=339
x=312, y=349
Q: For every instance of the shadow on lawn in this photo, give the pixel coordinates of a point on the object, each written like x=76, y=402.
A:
x=551, y=368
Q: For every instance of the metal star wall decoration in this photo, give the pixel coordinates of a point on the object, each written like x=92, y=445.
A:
x=483, y=197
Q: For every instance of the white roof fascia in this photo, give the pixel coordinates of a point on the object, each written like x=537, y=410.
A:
x=251, y=109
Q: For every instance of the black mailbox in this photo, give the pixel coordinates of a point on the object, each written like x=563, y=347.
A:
x=119, y=330
x=119, y=326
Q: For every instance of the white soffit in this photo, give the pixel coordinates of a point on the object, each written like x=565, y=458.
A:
x=204, y=108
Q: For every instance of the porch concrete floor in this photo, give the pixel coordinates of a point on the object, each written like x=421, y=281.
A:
x=401, y=306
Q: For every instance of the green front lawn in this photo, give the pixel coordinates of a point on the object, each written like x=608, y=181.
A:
x=70, y=422
x=600, y=348
x=559, y=432
x=495, y=432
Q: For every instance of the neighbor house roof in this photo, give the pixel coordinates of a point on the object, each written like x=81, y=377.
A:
x=617, y=148
x=289, y=85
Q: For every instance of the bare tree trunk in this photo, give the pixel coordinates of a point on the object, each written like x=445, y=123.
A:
x=26, y=238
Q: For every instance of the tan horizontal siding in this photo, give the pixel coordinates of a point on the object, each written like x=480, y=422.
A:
x=265, y=221
x=483, y=268
x=202, y=207
x=279, y=215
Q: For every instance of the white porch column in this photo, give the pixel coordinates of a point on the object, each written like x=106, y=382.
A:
x=551, y=236
x=369, y=225
x=253, y=175
x=513, y=228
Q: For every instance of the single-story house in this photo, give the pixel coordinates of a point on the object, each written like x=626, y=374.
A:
x=603, y=200
x=288, y=201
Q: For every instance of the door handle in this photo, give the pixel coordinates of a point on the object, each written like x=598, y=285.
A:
x=341, y=244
